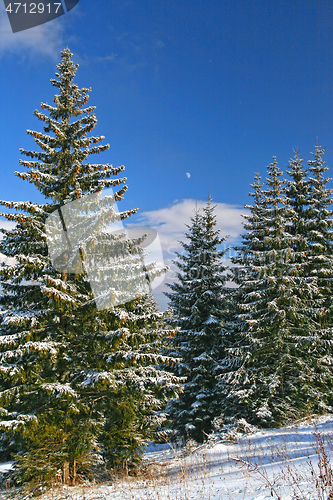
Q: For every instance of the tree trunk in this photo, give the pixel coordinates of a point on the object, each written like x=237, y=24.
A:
x=74, y=472
x=65, y=473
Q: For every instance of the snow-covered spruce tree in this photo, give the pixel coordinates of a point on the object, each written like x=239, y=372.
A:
x=245, y=274
x=320, y=236
x=299, y=226
x=197, y=307
x=63, y=363
x=304, y=196
x=283, y=372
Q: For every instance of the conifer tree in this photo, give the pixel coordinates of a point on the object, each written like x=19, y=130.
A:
x=64, y=364
x=298, y=200
x=320, y=234
x=246, y=275
x=197, y=307
x=283, y=370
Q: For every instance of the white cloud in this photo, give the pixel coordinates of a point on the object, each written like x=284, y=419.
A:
x=46, y=39
x=170, y=223
x=7, y=224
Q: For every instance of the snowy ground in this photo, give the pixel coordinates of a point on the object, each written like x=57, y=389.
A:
x=285, y=457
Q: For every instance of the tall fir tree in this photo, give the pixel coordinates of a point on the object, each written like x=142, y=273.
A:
x=64, y=364
x=284, y=372
x=246, y=275
x=315, y=340
x=320, y=234
x=197, y=303
x=298, y=200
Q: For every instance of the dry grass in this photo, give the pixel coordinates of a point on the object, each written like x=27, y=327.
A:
x=314, y=481
x=293, y=469
x=178, y=479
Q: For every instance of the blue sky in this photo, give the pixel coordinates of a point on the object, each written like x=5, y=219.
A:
x=211, y=89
